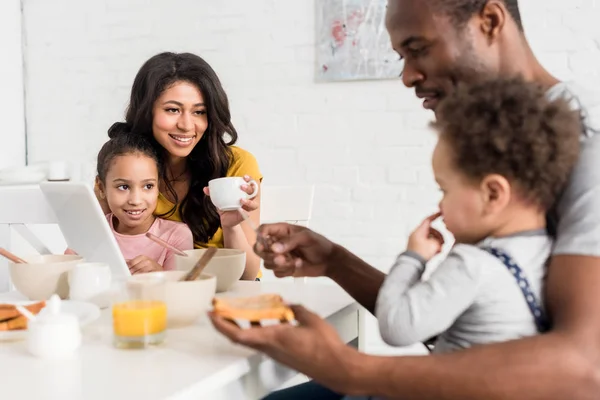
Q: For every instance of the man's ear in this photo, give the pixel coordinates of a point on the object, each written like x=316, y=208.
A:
x=100, y=189
x=496, y=192
x=493, y=18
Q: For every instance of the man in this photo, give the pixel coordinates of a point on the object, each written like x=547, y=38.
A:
x=444, y=42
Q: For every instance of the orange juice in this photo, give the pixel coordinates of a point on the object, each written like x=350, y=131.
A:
x=137, y=323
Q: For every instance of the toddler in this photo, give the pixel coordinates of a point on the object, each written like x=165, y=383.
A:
x=503, y=155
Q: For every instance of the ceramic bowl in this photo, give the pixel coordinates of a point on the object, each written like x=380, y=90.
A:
x=227, y=265
x=43, y=276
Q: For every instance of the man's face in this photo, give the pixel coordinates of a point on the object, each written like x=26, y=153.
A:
x=437, y=55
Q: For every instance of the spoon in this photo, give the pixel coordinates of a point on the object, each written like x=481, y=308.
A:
x=266, y=242
x=25, y=312
x=7, y=254
x=165, y=244
x=200, y=265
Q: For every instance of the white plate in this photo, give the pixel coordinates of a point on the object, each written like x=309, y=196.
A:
x=85, y=312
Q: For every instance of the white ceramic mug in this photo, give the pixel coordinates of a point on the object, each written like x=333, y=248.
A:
x=226, y=193
x=58, y=171
x=90, y=282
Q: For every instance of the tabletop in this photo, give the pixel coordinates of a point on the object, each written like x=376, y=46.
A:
x=194, y=362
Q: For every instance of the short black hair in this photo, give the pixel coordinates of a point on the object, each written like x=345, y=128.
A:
x=461, y=10
x=511, y=128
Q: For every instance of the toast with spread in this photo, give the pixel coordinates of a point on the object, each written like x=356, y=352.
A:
x=11, y=319
x=253, y=309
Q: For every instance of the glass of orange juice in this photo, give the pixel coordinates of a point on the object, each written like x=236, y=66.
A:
x=139, y=312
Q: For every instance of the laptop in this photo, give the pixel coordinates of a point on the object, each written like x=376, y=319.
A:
x=84, y=225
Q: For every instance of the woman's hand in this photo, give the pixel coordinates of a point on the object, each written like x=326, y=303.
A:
x=141, y=264
x=229, y=219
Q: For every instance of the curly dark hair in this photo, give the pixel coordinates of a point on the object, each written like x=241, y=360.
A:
x=211, y=157
x=511, y=128
x=461, y=10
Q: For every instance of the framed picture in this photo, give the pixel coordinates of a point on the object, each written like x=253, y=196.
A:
x=352, y=42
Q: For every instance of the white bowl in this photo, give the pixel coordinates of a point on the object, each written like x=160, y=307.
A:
x=227, y=265
x=43, y=276
x=186, y=301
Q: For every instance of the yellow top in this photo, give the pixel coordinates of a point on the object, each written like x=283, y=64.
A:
x=243, y=163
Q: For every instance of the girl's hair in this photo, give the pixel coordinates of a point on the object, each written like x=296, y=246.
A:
x=121, y=145
x=211, y=157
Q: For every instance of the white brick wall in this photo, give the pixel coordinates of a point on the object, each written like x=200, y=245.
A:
x=12, y=112
x=365, y=144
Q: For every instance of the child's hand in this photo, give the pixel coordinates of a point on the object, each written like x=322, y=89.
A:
x=141, y=264
x=426, y=241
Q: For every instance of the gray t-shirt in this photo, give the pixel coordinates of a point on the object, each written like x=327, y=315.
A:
x=472, y=298
x=410, y=310
x=577, y=215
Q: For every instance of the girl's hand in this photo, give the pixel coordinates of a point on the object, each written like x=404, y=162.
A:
x=229, y=219
x=141, y=264
x=426, y=241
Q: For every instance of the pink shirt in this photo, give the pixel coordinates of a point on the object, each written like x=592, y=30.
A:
x=176, y=234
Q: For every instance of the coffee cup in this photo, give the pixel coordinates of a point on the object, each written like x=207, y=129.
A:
x=226, y=193
x=58, y=171
x=90, y=282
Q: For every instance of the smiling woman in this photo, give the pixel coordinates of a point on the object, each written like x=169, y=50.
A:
x=178, y=102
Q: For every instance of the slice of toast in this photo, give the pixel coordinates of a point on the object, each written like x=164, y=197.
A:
x=14, y=324
x=9, y=311
x=11, y=319
x=253, y=309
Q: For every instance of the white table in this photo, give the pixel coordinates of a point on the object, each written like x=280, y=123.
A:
x=194, y=362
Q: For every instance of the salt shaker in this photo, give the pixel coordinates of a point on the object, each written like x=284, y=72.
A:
x=52, y=333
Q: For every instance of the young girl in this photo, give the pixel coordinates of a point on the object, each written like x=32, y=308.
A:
x=128, y=181
x=178, y=103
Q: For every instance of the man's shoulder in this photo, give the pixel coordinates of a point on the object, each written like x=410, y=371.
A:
x=585, y=97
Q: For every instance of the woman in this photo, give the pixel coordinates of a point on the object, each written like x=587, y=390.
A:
x=177, y=100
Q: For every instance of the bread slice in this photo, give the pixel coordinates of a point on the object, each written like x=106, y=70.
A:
x=14, y=324
x=253, y=309
x=11, y=318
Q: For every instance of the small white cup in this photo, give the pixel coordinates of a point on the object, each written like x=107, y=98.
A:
x=226, y=193
x=58, y=171
x=90, y=282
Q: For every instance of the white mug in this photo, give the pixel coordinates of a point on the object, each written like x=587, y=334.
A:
x=90, y=282
x=226, y=193
x=58, y=171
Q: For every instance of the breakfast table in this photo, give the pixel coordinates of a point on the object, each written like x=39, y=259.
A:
x=194, y=362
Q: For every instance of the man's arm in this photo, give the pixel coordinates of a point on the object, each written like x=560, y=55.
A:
x=563, y=364
x=356, y=277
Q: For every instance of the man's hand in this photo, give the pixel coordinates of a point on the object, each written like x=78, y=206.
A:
x=426, y=241
x=291, y=250
x=141, y=264
x=313, y=347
